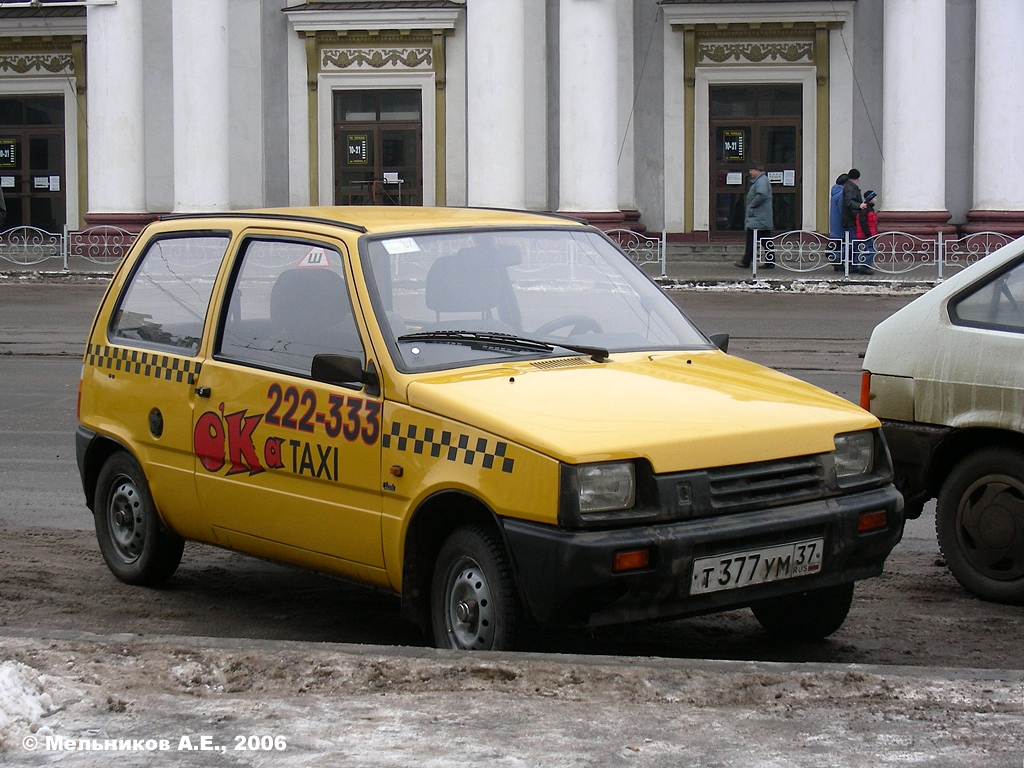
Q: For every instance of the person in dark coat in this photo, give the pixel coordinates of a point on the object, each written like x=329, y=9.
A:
x=759, y=212
x=853, y=202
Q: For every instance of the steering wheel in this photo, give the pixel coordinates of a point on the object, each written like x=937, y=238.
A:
x=580, y=324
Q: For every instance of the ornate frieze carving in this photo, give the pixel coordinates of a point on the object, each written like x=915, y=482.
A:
x=789, y=52
x=37, y=63
x=376, y=58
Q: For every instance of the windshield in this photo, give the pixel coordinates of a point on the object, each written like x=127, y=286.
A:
x=459, y=298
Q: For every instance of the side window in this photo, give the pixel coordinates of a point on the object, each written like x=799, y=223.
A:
x=288, y=302
x=998, y=304
x=165, y=303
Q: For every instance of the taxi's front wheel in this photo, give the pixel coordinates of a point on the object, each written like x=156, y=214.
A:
x=132, y=540
x=473, y=602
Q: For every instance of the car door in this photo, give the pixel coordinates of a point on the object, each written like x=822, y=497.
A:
x=287, y=466
x=149, y=357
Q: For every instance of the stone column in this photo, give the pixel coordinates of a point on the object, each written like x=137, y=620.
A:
x=913, y=194
x=588, y=111
x=201, y=95
x=496, y=103
x=116, y=132
x=998, y=115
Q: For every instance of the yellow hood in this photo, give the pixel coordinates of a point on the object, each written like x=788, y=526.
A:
x=681, y=411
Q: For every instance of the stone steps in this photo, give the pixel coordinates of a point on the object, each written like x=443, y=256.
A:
x=703, y=252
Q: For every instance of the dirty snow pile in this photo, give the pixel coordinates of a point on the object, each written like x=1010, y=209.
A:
x=23, y=703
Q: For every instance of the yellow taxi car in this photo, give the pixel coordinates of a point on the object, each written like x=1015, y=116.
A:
x=496, y=415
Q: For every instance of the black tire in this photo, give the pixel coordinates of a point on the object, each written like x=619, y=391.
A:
x=132, y=539
x=809, y=615
x=979, y=521
x=473, y=603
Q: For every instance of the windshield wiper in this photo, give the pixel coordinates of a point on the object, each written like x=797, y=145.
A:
x=482, y=339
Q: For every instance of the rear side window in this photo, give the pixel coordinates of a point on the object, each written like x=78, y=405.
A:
x=998, y=304
x=288, y=302
x=164, y=305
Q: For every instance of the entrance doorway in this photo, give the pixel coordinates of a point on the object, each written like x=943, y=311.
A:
x=755, y=123
x=32, y=173
x=378, y=140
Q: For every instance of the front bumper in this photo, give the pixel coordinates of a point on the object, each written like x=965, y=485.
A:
x=566, y=577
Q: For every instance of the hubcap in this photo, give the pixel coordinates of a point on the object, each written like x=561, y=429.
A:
x=990, y=527
x=125, y=520
x=470, y=612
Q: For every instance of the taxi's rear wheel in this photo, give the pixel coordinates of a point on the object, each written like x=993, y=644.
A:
x=809, y=615
x=131, y=536
x=979, y=520
x=473, y=603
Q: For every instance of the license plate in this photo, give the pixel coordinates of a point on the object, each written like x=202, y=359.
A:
x=756, y=566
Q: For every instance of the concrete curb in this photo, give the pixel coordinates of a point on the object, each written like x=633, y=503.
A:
x=703, y=282
x=450, y=657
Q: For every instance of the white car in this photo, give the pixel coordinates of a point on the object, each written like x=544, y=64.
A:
x=945, y=375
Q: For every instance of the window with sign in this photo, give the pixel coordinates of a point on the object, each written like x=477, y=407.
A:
x=378, y=147
x=749, y=123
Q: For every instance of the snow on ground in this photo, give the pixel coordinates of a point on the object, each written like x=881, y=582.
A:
x=24, y=701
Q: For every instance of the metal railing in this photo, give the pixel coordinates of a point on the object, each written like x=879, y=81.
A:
x=641, y=248
x=28, y=246
x=892, y=254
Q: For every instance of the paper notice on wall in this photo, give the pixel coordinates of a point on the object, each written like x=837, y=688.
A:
x=734, y=178
x=6, y=182
x=789, y=178
x=55, y=183
x=775, y=177
x=40, y=182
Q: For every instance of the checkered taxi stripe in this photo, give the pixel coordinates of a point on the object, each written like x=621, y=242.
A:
x=140, y=363
x=444, y=444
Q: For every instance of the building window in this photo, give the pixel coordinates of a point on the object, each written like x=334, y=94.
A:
x=378, y=139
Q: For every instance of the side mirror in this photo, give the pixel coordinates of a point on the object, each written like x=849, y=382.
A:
x=342, y=369
x=720, y=340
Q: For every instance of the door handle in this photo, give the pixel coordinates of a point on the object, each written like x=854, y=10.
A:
x=203, y=391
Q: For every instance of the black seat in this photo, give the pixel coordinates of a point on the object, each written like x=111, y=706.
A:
x=472, y=280
x=310, y=314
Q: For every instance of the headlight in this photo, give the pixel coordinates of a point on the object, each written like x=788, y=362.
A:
x=604, y=487
x=854, y=454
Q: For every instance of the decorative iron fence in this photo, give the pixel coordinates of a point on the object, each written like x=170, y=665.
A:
x=641, y=248
x=29, y=246
x=892, y=254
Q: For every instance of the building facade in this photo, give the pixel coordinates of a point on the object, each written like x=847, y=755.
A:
x=643, y=113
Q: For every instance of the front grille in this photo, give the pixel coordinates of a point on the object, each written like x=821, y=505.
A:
x=766, y=484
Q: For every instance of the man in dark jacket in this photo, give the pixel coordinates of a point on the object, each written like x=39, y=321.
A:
x=853, y=202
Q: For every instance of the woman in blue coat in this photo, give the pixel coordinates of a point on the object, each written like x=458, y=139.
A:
x=835, y=223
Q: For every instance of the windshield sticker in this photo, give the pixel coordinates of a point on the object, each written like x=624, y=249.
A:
x=316, y=257
x=401, y=245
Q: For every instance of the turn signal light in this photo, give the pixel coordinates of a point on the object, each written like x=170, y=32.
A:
x=865, y=390
x=870, y=521
x=631, y=560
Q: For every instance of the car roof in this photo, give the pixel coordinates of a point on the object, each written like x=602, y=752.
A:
x=383, y=219
x=909, y=337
